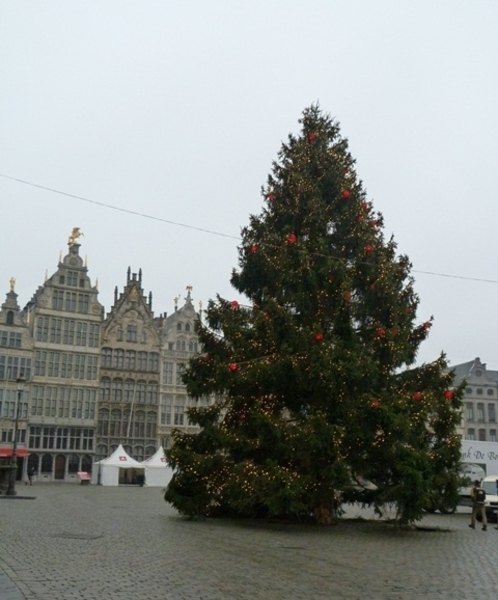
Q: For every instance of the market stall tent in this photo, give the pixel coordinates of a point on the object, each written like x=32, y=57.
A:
x=157, y=471
x=118, y=469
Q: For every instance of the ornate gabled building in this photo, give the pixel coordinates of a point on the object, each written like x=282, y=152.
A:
x=64, y=318
x=129, y=374
x=480, y=403
x=16, y=347
x=179, y=343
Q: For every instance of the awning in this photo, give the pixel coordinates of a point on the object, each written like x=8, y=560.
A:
x=8, y=452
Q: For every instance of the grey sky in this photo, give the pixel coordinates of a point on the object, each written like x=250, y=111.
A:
x=176, y=109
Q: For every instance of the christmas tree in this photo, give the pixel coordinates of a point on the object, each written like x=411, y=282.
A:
x=319, y=398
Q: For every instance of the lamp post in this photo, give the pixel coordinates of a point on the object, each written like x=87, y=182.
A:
x=11, y=490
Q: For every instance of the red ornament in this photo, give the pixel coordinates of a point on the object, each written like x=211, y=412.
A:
x=359, y=218
x=347, y=297
x=253, y=249
x=380, y=333
x=427, y=325
x=364, y=206
x=395, y=331
x=417, y=396
x=311, y=137
x=345, y=194
x=448, y=395
x=234, y=304
x=292, y=238
x=319, y=337
x=271, y=197
x=368, y=249
x=233, y=367
x=375, y=404
x=206, y=358
x=374, y=222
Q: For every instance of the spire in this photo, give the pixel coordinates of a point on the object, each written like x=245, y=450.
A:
x=140, y=276
x=115, y=294
x=150, y=300
x=128, y=275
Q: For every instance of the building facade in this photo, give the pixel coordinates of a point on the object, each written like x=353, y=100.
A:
x=480, y=403
x=129, y=374
x=179, y=344
x=16, y=349
x=64, y=318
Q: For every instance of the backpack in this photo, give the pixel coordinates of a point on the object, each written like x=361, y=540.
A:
x=480, y=496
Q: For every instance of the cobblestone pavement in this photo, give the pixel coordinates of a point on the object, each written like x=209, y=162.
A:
x=102, y=543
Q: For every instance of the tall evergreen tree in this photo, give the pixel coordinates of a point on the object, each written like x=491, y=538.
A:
x=316, y=376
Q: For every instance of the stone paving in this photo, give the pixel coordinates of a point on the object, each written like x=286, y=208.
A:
x=126, y=543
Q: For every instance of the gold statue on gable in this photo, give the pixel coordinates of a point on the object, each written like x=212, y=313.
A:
x=75, y=234
x=12, y=284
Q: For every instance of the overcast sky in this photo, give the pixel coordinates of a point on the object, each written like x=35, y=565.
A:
x=177, y=109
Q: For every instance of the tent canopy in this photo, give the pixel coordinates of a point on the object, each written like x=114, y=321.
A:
x=119, y=458
x=158, y=460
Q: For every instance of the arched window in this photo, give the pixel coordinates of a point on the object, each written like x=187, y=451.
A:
x=101, y=451
x=150, y=425
x=10, y=318
x=106, y=358
x=187, y=326
x=103, y=422
x=73, y=464
x=105, y=389
x=178, y=326
x=149, y=451
x=138, y=453
x=115, y=423
x=86, y=463
x=152, y=388
x=128, y=449
x=46, y=463
x=129, y=389
x=139, y=424
x=130, y=360
x=140, y=393
x=118, y=359
x=117, y=390
x=33, y=462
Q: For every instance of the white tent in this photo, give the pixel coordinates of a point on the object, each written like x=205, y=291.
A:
x=118, y=469
x=157, y=471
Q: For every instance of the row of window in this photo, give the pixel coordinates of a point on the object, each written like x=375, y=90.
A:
x=63, y=401
x=471, y=435
x=137, y=451
x=65, y=365
x=132, y=334
x=7, y=435
x=10, y=339
x=130, y=360
x=72, y=278
x=61, y=438
x=117, y=423
x=11, y=367
x=71, y=301
x=480, y=391
x=67, y=331
x=173, y=373
x=48, y=464
x=129, y=390
x=469, y=412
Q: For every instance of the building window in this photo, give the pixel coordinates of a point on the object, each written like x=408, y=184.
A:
x=178, y=326
x=153, y=362
x=471, y=434
x=468, y=390
x=480, y=412
x=490, y=392
x=119, y=335
x=482, y=435
x=130, y=360
x=57, y=299
x=106, y=358
x=166, y=404
x=491, y=412
x=10, y=318
x=479, y=391
x=72, y=278
x=168, y=373
x=469, y=411
x=178, y=415
x=492, y=435
x=187, y=326
x=131, y=333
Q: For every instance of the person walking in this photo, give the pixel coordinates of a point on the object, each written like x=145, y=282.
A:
x=31, y=474
x=478, y=496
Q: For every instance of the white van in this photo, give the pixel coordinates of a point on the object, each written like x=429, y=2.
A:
x=490, y=486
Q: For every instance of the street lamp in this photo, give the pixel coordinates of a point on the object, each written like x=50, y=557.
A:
x=11, y=490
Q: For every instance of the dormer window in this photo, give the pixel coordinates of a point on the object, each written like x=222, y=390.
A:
x=178, y=326
x=10, y=318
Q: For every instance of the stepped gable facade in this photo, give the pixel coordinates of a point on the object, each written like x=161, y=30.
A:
x=64, y=318
x=129, y=374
